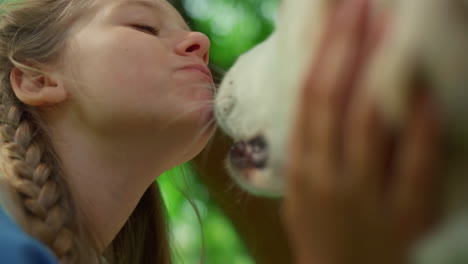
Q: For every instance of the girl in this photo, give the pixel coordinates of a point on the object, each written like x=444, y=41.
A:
x=98, y=94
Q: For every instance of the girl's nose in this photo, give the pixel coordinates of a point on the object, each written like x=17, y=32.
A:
x=195, y=44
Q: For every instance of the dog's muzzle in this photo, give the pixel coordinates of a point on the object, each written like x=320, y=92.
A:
x=251, y=154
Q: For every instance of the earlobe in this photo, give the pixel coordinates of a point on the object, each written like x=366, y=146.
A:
x=37, y=89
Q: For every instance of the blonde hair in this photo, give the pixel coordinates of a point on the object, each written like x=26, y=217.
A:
x=34, y=33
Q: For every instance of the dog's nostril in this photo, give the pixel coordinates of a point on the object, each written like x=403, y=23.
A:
x=238, y=155
x=259, y=152
x=250, y=154
x=258, y=143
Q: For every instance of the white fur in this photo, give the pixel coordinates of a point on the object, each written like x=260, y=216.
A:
x=258, y=94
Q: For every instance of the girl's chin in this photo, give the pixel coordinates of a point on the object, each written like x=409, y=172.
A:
x=196, y=146
x=207, y=116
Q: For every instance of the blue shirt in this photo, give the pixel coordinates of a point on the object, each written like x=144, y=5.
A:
x=16, y=247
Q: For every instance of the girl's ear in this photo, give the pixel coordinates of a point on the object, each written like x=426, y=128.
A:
x=37, y=89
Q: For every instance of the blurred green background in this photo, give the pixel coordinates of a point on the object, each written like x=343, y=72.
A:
x=233, y=27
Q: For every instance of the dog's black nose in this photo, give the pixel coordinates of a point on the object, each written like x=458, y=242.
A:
x=252, y=154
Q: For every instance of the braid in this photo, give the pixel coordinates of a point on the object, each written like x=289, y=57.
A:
x=35, y=183
x=34, y=33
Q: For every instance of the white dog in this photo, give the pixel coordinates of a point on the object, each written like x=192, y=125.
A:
x=256, y=99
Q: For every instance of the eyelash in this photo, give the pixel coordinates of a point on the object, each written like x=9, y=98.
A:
x=148, y=29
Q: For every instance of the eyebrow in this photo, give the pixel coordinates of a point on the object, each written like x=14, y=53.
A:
x=148, y=4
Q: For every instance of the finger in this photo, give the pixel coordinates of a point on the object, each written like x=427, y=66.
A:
x=415, y=190
x=325, y=91
x=365, y=149
x=366, y=142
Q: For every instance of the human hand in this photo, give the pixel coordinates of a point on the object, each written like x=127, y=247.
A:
x=357, y=192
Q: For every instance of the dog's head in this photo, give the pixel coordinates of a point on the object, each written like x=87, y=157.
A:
x=255, y=102
x=244, y=112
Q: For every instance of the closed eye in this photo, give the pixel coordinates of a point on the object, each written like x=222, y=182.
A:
x=147, y=29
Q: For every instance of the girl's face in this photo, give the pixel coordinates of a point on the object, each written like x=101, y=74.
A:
x=138, y=71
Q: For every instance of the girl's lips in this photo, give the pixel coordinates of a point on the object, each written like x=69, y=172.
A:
x=200, y=68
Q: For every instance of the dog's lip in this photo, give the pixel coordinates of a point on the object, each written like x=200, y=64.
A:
x=199, y=67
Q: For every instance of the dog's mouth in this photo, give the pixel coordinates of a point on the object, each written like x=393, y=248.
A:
x=249, y=155
x=249, y=164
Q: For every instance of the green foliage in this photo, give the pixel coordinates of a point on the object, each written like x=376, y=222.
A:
x=184, y=196
x=234, y=26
